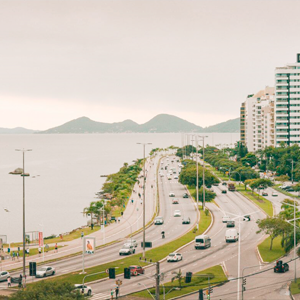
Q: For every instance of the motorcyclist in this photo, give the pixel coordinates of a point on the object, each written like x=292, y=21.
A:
x=163, y=234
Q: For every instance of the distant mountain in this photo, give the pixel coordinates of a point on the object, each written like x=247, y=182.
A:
x=17, y=130
x=228, y=126
x=160, y=124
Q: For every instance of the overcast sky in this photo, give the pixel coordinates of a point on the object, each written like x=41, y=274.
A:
x=115, y=60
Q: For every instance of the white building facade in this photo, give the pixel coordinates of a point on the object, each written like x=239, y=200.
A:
x=287, y=104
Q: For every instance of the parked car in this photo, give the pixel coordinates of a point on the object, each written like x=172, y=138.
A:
x=127, y=250
x=177, y=213
x=281, y=267
x=172, y=257
x=202, y=241
x=274, y=194
x=186, y=220
x=224, y=183
x=231, y=235
x=136, y=270
x=230, y=223
x=225, y=219
x=175, y=201
x=4, y=275
x=83, y=289
x=171, y=194
x=247, y=218
x=185, y=195
x=264, y=193
x=158, y=220
x=224, y=192
x=45, y=271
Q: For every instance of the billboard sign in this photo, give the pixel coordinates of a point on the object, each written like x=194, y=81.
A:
x=89, y=245
x=41, y=240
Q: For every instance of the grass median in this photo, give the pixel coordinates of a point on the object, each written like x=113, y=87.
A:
x=259, y=200
x=295, y=287
x=270, y=255
x=154, y=254
x=172, y=289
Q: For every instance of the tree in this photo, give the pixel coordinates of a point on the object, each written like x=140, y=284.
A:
x=271, y=226
x=249, y=160
x=48, y=290
x=178, y=276
x=296, y=187
x=209, y=195
x=260, y=183
x=247, y=182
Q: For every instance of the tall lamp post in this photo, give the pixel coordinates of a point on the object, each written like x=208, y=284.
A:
x=203, y=176
x=8, y=211
x=23, y=174
x=144, y=193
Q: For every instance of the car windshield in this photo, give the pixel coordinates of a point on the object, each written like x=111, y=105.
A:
x=199, y=241
x=126, y=246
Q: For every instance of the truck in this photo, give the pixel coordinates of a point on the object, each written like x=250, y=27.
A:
x=231, y=187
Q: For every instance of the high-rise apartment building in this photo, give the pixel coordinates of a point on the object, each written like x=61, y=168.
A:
x=287, y=110
x=257, y=120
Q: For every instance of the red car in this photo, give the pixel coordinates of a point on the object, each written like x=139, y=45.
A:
x=136, y=270
x=175, y=201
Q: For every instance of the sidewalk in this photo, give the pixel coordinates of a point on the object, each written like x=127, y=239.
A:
x=130, y=222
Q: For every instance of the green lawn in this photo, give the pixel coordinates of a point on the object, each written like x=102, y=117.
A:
x=271, y=255
x=295, y=287
x=216, y=274
x=259, y=200
x=155, y=254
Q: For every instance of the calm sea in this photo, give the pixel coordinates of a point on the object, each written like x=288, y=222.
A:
x=65, y=174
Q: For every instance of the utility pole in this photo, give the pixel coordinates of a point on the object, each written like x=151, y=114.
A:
x=144, y=198
x=197, y=177
x=157, y=281
x=203, y=168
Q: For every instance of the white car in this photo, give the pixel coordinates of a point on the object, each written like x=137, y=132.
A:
x=134, y=243
x=4, y=275
x=45, y=271
x=162, y=175
x=171, y=194
x=274, y=194
x=172, y=257
x=158, y=220
x=176, y=177
x=177, y=213
x=127, y=249
x=83, y=289
x=225, y=219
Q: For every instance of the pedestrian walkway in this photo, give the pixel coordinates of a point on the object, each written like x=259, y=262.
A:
x=101, y=296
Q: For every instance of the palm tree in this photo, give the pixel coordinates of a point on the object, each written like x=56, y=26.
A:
x=178, y=276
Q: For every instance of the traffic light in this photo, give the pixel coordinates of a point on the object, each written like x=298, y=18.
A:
x=201, y=295
x=210, y=290
x=32, y=268
x=127, y=273
x=112, y=273
x=244, y=281
x=188, y=277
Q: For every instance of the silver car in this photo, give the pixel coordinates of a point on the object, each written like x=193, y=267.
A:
x=4, y=275
x=83, y=289
x=45, y=271
x=127, y=249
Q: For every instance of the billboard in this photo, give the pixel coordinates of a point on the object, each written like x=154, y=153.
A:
x=89, y=244
x=41, y=240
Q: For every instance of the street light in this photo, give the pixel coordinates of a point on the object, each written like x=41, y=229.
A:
x=23, y=174
x=8, y=211
x=203, y=179
x=144, y=193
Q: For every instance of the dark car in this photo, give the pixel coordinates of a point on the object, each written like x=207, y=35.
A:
x=230, y=223
x=264, y=193
x=224, y=183
x=136, y=270
x=185, y=195
x=224, y=192
x=280, y=267
x=186, y=221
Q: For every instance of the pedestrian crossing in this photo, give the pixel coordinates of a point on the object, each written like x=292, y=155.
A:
x=100, y=296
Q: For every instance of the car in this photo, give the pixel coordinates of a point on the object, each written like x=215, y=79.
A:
x=162, y=175
x=136, y=270
x=175, y=201
x=4, y=275
x=224, y=192
x=169, y=177
x=231, y=235
x=176, y=177
x=230, y=223
x=132, y=242
x=202, y=241
x=171, y=194
x=158, y=220
x=177, y=213
x=45, y=271
x=289, y=189
x=216, y=184
x=186, y=220
x=274, y=194
x=224, y=183
x=185, y=195
x=264, y=193
x=172, y=257
x=247, y=218
x=225, y=219
x=83, y=289
x=281, y=267
x=127, y=249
